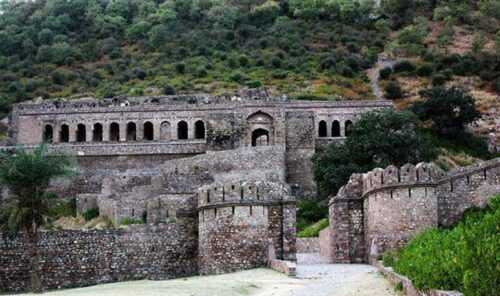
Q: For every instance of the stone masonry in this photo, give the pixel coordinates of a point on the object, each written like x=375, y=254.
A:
x=384, y=208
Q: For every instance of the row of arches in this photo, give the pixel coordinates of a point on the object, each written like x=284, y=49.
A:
x=114, y=133
x=335, y=130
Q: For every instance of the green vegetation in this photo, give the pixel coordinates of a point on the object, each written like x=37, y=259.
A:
x=91, y=214
x=314, y=229
x=309, y=212
x=131, y=221
x=58, y=48
x=27, y=175
x=378, y=139
x=463, y=258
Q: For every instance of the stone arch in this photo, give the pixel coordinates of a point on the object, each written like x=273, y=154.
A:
x=347, y=127
x=335, y=128
x=97, y=132
x=114, y=132
x=64, y=133
x=322, y=129
x=260, y=129
x=131, y=131
x=260, y=137
x=81, y=133
x=182, y=130
x=199, y=130
x=165, y=130
x=48, y=133
x=149, y=133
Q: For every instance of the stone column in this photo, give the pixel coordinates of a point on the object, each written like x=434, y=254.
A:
x=139, y=133
x=157, y=130
x=56, y=131
x=190, y=129
x=89, y=127
x=72, y=133
x=342, y=128
x=123, y=131
x=105, y=132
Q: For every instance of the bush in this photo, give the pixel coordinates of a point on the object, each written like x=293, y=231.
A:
x=393, y=90
x=404, y=66
x=131, y=221
x=385, y=73
x=463, y=258
x=496, y=85
x=180, y=68
x=439, y=79
x=254, y=84
x=237, y=76
x=168, y=90
x=309, y=212
x=314, y=229
x=91, y=214
x=425, y=70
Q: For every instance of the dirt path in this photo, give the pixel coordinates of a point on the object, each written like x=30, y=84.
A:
x=374, y=76
x=313, y=279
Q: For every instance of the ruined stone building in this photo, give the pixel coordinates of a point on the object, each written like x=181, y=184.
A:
x=215, y=178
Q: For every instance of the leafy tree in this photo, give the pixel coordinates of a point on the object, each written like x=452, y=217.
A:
x=158, y=36
x=377, y=139
x=449, y=110
x=393, y=90
x=45, y=36
x=138, y=30
x=27, y=175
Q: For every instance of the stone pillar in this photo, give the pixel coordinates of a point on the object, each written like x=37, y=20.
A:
x=190, y=129
x=342, y=128
x=72, y=133
x=289, y=232
x=89, y=127
x=56, y=131
x=139, y=133
x=329, y=128
x=157, y=130
x=123, y=131
x=105, y=132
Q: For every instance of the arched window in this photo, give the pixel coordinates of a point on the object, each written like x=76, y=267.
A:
x=148, y=131
x=260, y=137
x=335, y=128
x=322, y=130
x=81, y=133
x=64, y=134
x=97, y=133
x=348, y=125
x=131, y=131
x=48, y=134
x=199, y=130
x=165, y=130
x=114, y=132
x=182, y=130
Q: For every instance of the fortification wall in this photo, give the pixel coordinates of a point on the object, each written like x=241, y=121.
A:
x=398, y=203
x=239, y=223
x=82, y=258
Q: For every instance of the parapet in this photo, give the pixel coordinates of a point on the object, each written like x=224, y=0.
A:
x=408, y=174
x=229, y=194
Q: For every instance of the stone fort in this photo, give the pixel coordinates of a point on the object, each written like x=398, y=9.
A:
x=216, y=179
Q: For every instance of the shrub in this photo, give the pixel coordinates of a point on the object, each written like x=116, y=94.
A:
x=425, y=70
x=496, y=85
x=91, y=214
x=243, y=60
x=131, y=221
x=279, y=74
x=393, y=90
x=201, y=72
x=385, y=73
x=237, y=76
x=314, y=229
x=463, y=258
x=254, y=83
x=438, y=79
x=180, y=68
x=168, y=90
x=404, y=66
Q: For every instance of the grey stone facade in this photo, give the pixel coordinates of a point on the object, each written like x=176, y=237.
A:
x=384, y=208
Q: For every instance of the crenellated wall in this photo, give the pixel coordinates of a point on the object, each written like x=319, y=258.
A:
x=384, y=208
x=240, y=222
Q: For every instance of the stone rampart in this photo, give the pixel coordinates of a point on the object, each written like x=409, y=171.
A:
x=384, y=208
x=82, y=258
x=238, y=223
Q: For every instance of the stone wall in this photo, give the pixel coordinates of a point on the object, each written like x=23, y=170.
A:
x=307, y=245
x=384, y=208
x=239, y=223
x=82, y=258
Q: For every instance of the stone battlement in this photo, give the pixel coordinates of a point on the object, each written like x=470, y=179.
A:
x=222, y=195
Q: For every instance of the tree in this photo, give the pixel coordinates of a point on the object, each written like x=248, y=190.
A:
x=158, y=36
x=449, y=110
x=27, y=175
x=393, y=90
x=378, y=139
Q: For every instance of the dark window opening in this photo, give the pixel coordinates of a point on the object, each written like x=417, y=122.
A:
x=260, y=137
x=81, y=133
x=48, y=134
x=348, y=125
x=64, y=134
x=148, y=131
x=182, y=130
x=199, y=130
x=114, y=132
x=97, y=133
x=322, y=129
x=131, y=131
x=336, y=129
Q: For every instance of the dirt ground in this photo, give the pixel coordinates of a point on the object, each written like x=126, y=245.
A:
x=311, y=280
